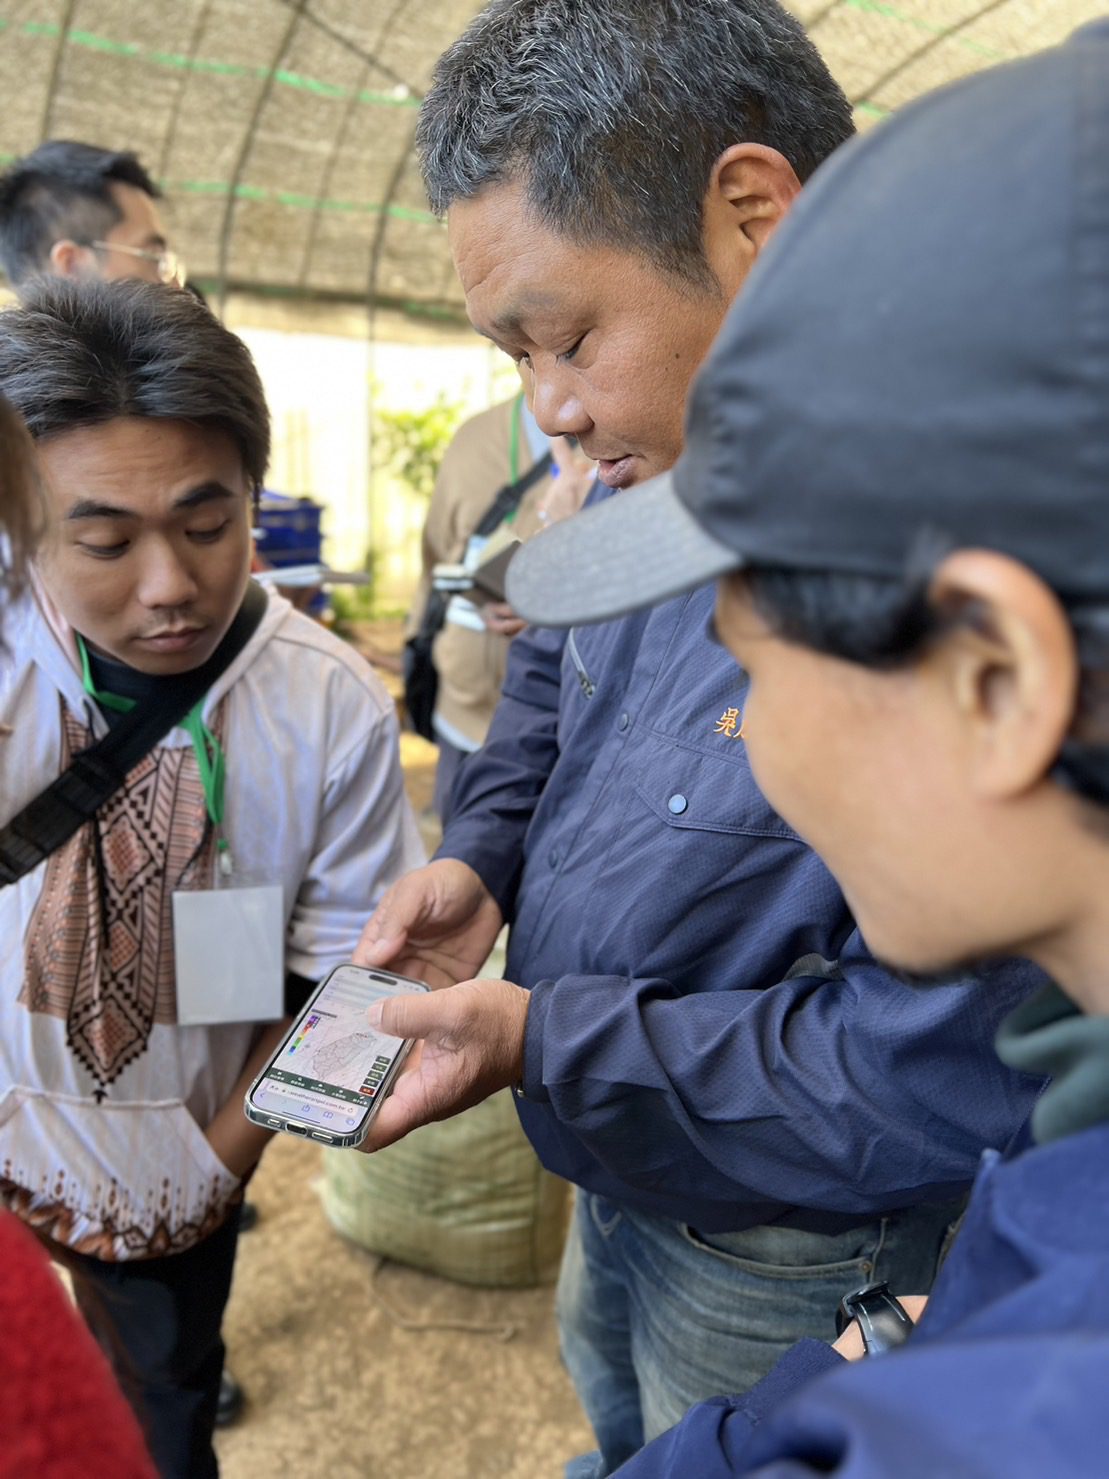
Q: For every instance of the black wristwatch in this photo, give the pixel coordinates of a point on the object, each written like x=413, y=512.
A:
x=883, y=1322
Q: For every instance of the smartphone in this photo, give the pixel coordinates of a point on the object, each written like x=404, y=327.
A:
x=333, y=1070
x=486, y=583
x=452, y=579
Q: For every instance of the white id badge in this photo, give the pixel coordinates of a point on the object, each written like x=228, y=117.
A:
x=475, y=548
x=229, y=949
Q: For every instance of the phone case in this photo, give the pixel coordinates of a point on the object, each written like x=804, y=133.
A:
x=289, y=1125
x=490, y=578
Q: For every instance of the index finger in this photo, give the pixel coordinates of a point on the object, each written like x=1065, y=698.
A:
x=385, y=933
x=375, y=948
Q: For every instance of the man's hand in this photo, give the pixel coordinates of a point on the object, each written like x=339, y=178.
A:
x=472, y=1044
x=500, y=619
x=574, y=476
x=436, y=924
x=850, y=1344
x=237, y=1141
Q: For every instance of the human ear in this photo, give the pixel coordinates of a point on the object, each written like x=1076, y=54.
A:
x=69, y=259
x=750, y=190
x=1011, y=669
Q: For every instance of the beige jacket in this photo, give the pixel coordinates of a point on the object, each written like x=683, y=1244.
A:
x=471, y=663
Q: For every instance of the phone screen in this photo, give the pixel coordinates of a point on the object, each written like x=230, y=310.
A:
x=331, y=1068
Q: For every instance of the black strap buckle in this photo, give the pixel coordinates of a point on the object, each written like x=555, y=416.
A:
x=883, y=1320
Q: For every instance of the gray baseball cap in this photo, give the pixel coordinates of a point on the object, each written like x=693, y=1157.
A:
x=922, y=350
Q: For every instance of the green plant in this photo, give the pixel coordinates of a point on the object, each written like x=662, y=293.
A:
x=411, y=444
x=351, y=604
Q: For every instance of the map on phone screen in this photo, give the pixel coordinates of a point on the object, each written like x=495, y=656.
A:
x=331, y=1068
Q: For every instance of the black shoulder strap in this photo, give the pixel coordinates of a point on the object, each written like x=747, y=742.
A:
x=511, y=496
x=96, y=774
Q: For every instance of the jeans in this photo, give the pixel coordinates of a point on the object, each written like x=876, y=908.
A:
x=654, y=1316
x=158, y=1321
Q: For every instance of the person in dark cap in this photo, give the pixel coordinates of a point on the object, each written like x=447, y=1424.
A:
x=757, y=1116
x=896, y=468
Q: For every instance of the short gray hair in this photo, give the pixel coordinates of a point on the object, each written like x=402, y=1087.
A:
x=612, y=113
x=82, y=353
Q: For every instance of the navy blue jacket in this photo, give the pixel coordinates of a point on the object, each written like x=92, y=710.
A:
x=708, y=1038
x=1007, y=1373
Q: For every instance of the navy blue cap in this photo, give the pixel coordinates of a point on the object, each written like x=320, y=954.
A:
x=923, y=350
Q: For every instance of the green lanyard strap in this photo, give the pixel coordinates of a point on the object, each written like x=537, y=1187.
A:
x=209, y=751
x=514, y=440
x=514, y=450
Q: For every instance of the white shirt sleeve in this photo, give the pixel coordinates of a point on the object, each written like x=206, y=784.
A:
x=366, y=838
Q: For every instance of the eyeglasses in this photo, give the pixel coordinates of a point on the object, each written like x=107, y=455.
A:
x=169, y=265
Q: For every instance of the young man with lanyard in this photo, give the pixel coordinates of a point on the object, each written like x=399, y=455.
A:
x=143, y=957
x=896, y=471
x=63, y=1412
x=502, y=448
x=74, y=210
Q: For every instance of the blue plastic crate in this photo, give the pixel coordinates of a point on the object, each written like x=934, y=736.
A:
x=290, y=530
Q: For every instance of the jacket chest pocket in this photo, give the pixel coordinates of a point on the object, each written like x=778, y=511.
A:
x=690, y=791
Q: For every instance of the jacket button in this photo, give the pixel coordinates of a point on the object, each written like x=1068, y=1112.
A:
x=623, y=722
x=678, y=804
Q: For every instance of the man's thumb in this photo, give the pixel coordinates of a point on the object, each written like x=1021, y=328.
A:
x=407, y=1016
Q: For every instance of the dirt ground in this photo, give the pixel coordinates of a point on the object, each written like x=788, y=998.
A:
x=338, y=1383
x=338, y=1388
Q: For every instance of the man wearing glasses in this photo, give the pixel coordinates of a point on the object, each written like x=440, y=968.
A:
x=73, y=210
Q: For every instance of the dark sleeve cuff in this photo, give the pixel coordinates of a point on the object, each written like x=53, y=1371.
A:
x=712, y=1439
x=501, y=882
x=534, y=1089
x=800, y=1364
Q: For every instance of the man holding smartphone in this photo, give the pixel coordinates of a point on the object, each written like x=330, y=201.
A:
x=149, y=958
x=759, y=1119
x=921, y=551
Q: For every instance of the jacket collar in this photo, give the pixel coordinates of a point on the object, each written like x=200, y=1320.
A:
x=1049, y=1035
